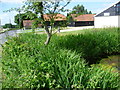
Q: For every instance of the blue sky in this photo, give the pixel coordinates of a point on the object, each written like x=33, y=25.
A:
x=92, y=5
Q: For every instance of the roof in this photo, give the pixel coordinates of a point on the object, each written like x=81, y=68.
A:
x=57, y=17
x=85, y=17
x=27, y=23
x=107, y=7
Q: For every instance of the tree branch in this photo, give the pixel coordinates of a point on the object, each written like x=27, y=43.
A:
x=64, y=6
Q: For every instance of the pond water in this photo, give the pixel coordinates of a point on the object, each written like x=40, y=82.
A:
x=112, y=61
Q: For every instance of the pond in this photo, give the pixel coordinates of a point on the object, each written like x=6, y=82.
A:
x=112, y=61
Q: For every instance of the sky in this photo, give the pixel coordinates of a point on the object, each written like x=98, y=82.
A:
x=91, y=5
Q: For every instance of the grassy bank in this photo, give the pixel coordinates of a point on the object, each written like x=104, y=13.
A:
x=93, y=43
x=0, y=68
x=64, y=63
x=0, y=50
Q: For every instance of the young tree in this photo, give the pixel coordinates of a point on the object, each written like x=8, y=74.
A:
x=80, y=9
x=51, y=8
x=28, y=15
x=9, y=25
x=90, y=12
x=18, y=10
x=24, y=16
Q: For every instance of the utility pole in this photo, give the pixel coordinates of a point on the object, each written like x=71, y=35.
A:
x=19, y=19
x=10, y=23
x=9, y=20
x=19, y=12
x=0, y=25
x=0, y=22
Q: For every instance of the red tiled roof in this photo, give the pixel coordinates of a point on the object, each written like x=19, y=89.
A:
x=57, y=17
x=85, y=17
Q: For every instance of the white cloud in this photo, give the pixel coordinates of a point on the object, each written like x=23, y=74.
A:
x=94, y=0
x=104, y=7
x=20, y=1
x=12, y=1
x=7, y=17
x=3, y=19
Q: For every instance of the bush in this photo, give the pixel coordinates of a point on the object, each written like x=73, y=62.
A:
x=94, y=45
x=34, y=65
x=28, y=63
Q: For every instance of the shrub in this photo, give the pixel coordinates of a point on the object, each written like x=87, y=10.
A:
x=33, y=65
x=94, y=45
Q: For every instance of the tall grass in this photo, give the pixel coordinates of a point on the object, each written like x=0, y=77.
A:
x=28, y=63
x=94, y=45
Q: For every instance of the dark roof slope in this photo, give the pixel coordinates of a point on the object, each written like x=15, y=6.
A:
x=112, y=10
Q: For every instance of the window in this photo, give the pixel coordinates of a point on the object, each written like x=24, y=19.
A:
x=106, y=14
x=118, y=9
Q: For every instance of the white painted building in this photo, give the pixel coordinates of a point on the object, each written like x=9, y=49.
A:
x=109, y=17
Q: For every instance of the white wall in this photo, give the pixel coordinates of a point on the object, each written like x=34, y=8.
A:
x=107, y=21
x=119, y=21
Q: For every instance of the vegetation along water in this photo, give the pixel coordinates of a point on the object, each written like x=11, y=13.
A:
x=69, y=61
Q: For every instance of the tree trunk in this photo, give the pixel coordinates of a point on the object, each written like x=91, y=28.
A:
x=48, y=39
x=48, y=36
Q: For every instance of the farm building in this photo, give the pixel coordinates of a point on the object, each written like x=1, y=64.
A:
x=109, y=17
x=58, y=18
x=81, y=20
x=27, y=23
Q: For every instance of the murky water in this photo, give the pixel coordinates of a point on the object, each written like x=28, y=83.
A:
x=112, y=60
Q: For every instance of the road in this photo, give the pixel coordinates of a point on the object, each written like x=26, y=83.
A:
x=11, y=33
x=77, y=28
x=6, y=34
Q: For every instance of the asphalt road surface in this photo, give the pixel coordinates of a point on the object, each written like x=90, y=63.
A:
x=6, y=34
x=12, y=33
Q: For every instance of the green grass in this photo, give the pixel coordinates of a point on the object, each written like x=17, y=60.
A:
x=64, y=63
x=90, y=30
x=0, y=51
x=0, y=68
x=94, y=44
x=76, y=32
